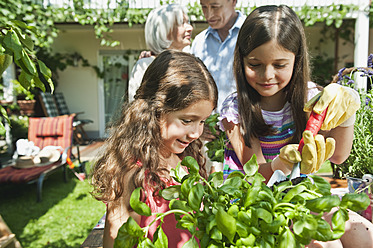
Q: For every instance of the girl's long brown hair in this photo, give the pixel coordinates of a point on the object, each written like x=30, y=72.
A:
x=173, y=81
x=266, y=23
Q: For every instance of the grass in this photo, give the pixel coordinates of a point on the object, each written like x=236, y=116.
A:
x=64, y=218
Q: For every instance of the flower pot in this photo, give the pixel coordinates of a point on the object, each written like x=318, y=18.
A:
x=362, y=186
x=27, y=107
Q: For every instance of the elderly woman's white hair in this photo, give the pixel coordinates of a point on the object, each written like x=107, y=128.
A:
x=159, y=25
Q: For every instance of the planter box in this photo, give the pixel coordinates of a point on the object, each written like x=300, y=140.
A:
x=27, y=107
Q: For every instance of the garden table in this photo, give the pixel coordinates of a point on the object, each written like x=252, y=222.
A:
x=94, y=239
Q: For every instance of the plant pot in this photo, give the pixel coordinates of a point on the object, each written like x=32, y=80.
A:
x=359, y=184
x=362, y=186
x=27, y=107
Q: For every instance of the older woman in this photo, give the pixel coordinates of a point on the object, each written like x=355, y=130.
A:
x=167, y=27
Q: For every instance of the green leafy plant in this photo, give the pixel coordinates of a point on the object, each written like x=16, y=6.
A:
x=22, y=93
x=360, y=161
x=242, y=211
x=215, y=148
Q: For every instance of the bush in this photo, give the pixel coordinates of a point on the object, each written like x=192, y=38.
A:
x=360, y=161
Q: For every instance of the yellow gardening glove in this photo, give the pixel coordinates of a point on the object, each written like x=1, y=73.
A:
x=342, y=103
x=315, y=152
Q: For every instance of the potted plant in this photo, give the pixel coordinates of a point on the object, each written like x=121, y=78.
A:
x=242, y=211
x=358, y=168
x=360, y=161
x=25, y=99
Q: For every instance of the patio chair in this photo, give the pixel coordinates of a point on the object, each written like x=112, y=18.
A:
x=44, y=131
x=55, y=105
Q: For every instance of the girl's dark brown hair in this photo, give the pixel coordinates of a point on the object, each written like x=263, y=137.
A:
x=173, y=81
x=264, y=24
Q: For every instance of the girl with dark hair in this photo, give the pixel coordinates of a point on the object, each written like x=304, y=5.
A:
x=154, y=133
x=266, y=115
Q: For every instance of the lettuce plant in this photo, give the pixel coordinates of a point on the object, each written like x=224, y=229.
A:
x=242, y=211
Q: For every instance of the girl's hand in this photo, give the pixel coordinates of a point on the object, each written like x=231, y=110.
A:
x=316, y=151
x=343, y=102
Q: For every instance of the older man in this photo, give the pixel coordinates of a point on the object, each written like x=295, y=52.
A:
x=215, y=45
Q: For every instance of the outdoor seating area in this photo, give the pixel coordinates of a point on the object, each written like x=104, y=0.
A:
x=56, y=132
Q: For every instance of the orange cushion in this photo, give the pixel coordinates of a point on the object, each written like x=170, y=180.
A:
x=54, y=131
x=48, y=127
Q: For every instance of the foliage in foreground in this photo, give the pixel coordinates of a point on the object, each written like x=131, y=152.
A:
x=244, y=212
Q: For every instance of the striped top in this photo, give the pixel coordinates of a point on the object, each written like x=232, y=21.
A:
x=281, y=120
x=283, y=123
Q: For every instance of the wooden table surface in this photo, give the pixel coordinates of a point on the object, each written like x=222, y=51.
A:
x=94, y=239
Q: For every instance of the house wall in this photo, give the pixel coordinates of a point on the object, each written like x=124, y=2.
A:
x=80, y=85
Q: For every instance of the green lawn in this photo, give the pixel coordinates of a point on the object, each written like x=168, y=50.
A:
x=64, y=218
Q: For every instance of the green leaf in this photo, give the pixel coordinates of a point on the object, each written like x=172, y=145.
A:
x=323, y=204
x=355, y=201
x=179, y=173
x=25, y=79
x=192, y=243
x=233, y=211
x=251, y=166
x=25, y=39
x=235, y=182
x=264, y=215
x=5, y=115
x=187, y=185
x=305, y=228
x=287, y=239
x=28, y=63
x=38, y=83
x=294, y=192
x=236, y=174
x=242, y=229
x=128, y=234
x=146, y=243
x=244, y=217
x=321, y=184
x=177, y=204
x=160, y=238
x=191, y=164
x=216, y=234
x=51, y=85
x=47, y=73
x=251, y=196
x=171, y=192
x=12, y=42
x=248, y=241
x=278, y=222
x=226, y=224
x=217, y=179
x=266, y=195
x=323, y=231
x=188, y=223
x=195, y=196
x=5, y=61
x=339, y=219
x=138, y=206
